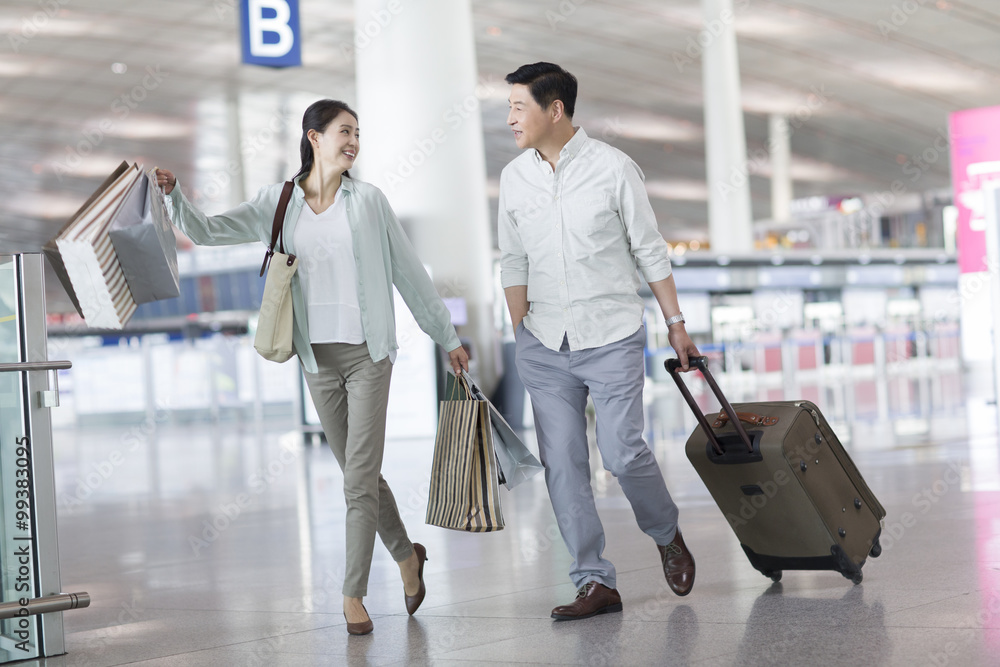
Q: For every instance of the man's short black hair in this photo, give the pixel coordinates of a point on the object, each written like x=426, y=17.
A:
x=547, y=83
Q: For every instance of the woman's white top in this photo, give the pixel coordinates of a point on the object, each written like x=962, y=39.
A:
x=329, y=274
x=385, y=258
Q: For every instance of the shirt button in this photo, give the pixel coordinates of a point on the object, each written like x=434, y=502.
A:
x=562, y=282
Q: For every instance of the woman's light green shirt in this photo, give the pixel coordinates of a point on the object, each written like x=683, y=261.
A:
x=383, y=254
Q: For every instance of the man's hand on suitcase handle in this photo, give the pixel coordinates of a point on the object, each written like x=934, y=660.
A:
x=685, y=348
x=695, y=363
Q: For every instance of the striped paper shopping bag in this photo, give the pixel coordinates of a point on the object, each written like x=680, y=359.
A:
x=465, y=487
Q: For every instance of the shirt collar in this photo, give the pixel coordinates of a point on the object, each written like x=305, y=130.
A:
x=570, y=150
x=346, y=183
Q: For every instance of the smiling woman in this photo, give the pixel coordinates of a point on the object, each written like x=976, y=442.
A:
x=351, y=251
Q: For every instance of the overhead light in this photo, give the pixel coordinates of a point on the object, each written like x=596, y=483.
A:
x=647, y=127
x=771, y=99
x=773, y=24
x=119, y=68
x=94, y=165
x=44, y=205
x=805, y=169
x=9, y=67
x=149, y=127
x=925, y=74
x=61, y=25
x=678, y=190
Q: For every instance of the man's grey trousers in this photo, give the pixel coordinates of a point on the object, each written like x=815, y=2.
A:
x=558, y=384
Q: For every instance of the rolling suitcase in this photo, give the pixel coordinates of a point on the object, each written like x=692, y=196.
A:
x=786, y=486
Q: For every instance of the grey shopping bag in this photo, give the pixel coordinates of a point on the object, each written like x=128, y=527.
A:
x=516, y=461
x=145, y=245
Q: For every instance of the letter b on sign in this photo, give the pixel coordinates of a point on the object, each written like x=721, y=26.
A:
x=270, y=33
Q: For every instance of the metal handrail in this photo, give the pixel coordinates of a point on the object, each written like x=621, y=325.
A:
x=45, y=605
x=35, y=366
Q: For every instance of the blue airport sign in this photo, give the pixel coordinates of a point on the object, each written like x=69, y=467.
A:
x=270, y=34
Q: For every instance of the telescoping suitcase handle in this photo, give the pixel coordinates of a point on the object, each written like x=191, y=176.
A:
x=701, y=363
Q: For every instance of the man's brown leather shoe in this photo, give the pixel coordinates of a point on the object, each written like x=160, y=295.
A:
x=591, y=600
x=678, y=565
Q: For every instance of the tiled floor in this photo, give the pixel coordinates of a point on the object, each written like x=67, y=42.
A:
x=222, y=544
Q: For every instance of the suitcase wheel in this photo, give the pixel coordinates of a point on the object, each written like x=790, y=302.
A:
x=857, y=577
x=876, y=550
x=775, y=575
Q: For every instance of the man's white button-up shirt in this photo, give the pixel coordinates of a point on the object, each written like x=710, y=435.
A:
x=575, y=236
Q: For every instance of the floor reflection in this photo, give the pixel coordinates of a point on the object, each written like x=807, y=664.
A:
x=821, y=631
x=225, y=540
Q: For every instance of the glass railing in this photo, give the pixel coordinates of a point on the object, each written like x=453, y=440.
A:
x=31, y=601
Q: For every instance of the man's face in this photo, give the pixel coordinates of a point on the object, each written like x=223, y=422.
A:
x=527, y=119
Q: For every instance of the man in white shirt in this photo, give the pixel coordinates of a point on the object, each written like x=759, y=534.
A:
x=574, y=225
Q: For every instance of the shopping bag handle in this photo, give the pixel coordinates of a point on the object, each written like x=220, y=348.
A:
x=460, y=381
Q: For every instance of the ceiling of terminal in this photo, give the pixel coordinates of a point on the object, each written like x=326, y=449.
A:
x=87, y=83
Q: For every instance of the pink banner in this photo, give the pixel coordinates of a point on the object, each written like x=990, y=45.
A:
x=975, y=160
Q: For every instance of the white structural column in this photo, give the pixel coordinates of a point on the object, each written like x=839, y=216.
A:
x=422, y=144
x=729, y=221
x=234, y=137
x=780, y=144
x=991, y=196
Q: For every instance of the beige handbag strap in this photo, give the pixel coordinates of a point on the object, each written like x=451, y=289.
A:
x=278, y=227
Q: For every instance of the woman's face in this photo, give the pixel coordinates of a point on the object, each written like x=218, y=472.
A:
x=339, y=144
